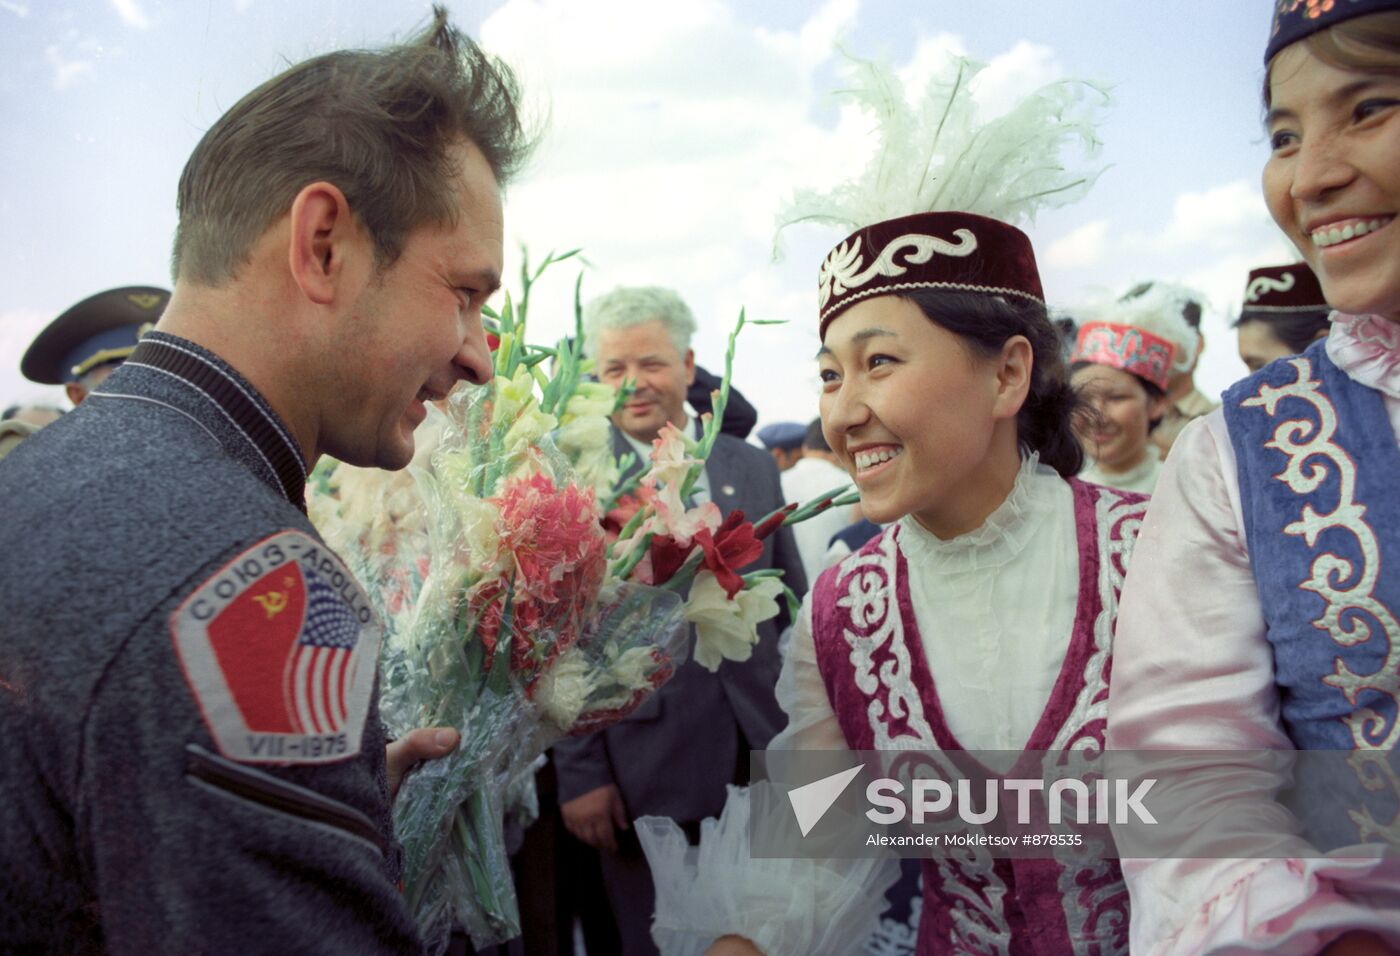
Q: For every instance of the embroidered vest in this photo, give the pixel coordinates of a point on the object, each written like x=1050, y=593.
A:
x=870, y=655
x=1317, y=463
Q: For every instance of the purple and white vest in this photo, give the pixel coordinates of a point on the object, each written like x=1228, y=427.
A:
x=870, y=655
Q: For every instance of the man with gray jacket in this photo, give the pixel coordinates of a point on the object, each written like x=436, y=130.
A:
x=193, y=756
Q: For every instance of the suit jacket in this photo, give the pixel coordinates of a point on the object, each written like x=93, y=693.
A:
x=678, y=751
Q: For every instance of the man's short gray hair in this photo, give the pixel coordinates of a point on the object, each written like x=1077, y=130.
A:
x=628, y=306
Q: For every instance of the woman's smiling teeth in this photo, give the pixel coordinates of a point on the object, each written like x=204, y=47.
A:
x=1335, y=233
x=869, y=459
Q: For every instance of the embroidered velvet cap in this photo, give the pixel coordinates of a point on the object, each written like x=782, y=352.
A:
x=1273, y=290
x=100, y=329
x=956, y=251
x=1295, y=20
x=1125, y=347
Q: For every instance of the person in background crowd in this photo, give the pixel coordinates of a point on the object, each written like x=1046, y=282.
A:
x=36, y=415
x=784, y=442
x=81, y=347
x=850, y=539
x=18, y=422
x=173, y=783
x=1161, y=308
x=1260, y=612
x=811, y=476
x=679, y=751
x=1121, y=371
x=1283, y=313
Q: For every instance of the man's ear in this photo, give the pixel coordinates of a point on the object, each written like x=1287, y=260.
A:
x=323, y=234
x=1013, y=373
x=690, y=366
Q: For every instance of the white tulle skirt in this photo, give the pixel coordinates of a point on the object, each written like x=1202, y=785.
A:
x=817, y=907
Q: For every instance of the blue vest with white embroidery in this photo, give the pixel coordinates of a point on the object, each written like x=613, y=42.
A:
x=1317, y=461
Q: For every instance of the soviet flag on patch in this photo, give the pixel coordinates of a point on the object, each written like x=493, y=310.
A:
x=279, y=648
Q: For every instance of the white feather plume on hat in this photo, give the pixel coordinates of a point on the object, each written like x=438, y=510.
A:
x=939, y=155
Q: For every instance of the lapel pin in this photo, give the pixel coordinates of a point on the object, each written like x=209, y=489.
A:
x=728, y=490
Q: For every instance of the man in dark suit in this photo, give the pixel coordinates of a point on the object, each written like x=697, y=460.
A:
x=677, y=753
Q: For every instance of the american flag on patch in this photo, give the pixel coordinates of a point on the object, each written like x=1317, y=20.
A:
x=318, y=673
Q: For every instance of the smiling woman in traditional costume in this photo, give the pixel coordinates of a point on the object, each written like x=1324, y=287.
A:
x=1273, y=541
x=982, y=617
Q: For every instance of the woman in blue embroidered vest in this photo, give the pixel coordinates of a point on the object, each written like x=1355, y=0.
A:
x=982, y=618
x=1273, y=542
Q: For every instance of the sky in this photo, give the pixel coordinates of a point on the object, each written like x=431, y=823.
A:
x=675, y=132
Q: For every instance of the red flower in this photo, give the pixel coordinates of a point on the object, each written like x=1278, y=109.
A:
x=559, y=556
x=733, y=546
x=666, y=558
x=624, y=509
x=493, y=341
x=775, y=521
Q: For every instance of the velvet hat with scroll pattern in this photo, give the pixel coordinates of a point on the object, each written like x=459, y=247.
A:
x=954, y=251
x=1290, y=289
x=940, y=202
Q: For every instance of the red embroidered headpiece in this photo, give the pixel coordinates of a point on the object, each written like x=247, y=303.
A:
x=1290, y=288
x=1127, y=347
x=956, y=251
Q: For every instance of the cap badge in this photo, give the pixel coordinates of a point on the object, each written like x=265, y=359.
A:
x=143, y=300
x=1262, y=284
x=841, y=271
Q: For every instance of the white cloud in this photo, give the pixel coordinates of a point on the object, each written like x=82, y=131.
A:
x=131, y=13
x=18, y=9
x=676, y=139
x=1216, y=217
x=1013, y=75
x=1083, y=247
x=65, y=72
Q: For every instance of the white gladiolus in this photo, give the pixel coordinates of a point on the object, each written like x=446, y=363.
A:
x=529, y=428
x=728, y=629
x=592, y=400
x=564, y=688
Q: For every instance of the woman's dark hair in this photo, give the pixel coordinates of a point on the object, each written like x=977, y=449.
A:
x=1368, y=44
x=1297, y=330
x=986, y=322
x=1153, y=390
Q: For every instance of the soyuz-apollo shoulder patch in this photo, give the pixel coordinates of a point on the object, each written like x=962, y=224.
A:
x=279, y=647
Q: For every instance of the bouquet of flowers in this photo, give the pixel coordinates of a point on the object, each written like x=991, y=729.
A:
x=534, y=593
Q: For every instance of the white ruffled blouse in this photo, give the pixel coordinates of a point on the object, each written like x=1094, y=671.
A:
x=995, y=608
